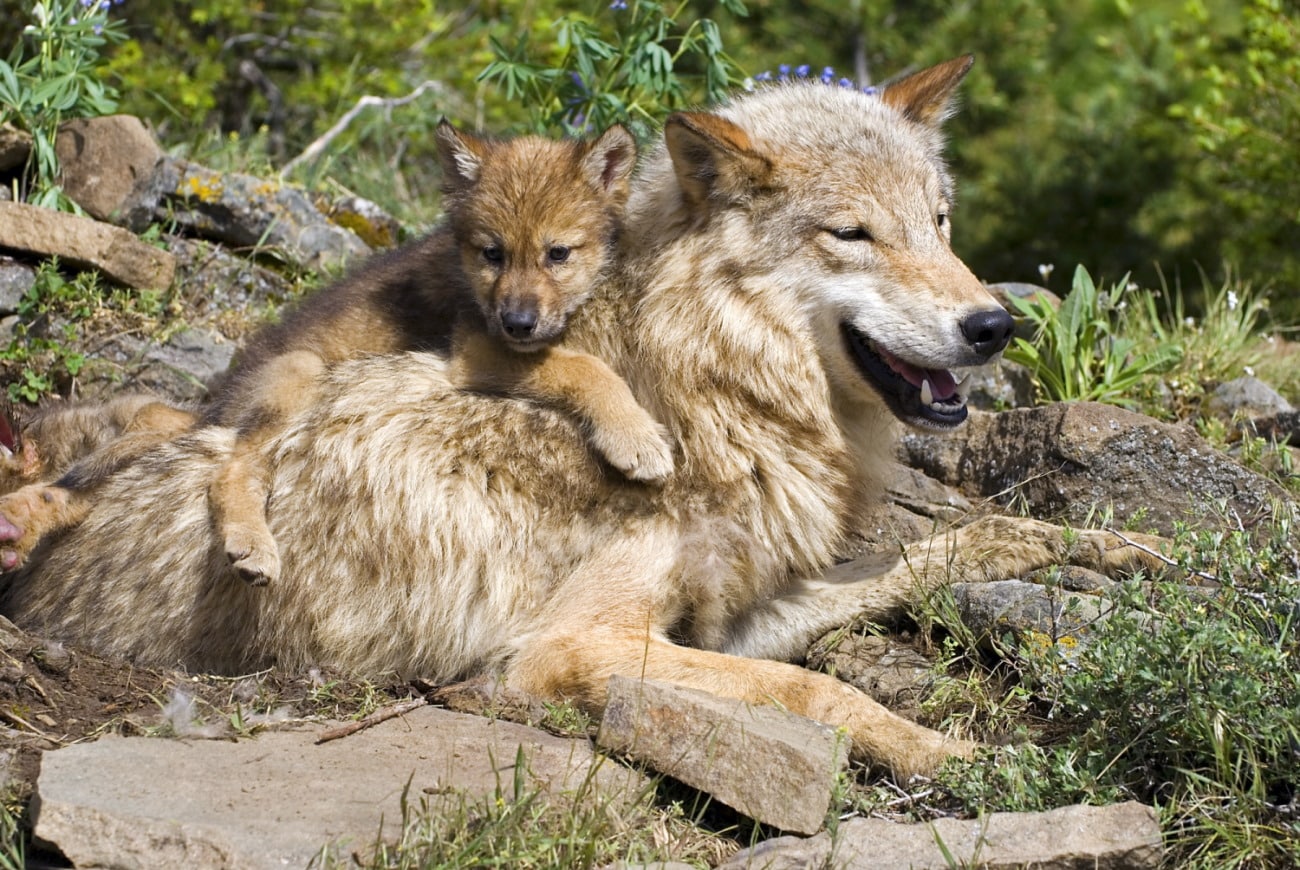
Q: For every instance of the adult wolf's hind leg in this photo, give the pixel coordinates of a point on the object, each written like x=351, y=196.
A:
x=239, y=490
x=577, y=666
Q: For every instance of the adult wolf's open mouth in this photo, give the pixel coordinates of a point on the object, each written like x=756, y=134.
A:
x=931, y=398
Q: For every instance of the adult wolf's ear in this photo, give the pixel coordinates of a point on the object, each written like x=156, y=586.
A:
x=461, y=157
x=713, y=158
x=610, y=160
x=927, y=96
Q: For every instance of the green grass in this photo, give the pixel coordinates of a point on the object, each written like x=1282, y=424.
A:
x=1186, y=699
x=517, y=826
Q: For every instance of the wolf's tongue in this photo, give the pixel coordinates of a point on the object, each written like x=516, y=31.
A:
x=942, y=383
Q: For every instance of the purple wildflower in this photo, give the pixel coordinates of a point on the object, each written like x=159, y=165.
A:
x=802, y=71
x=869, y=90
x=846, y=83
x=764, y=76
x=783, y=72
x=618, y=5
x=828, y=75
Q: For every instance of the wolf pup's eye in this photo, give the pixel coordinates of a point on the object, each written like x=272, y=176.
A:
x=558, y=254
x=493, y=253
x=851, y=234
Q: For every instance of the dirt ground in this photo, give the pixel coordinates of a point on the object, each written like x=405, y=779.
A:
x=52, y=695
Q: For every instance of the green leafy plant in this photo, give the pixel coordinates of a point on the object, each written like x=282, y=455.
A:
x=1080, y=351
x=51, y=76
x=633, y=64
x=1185, y=697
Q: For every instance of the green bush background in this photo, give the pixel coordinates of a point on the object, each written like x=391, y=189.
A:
x=1157, y=138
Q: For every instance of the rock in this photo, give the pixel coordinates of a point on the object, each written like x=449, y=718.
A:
x=893, y=673
x=85, y=243
x=102, y=160
x=15, y=145
x=277, y=800
x=1061, y=460
x=1053, y=616
x=214, y=283
x=241, y=210
x=1000, y=386
x=1119, y=837
x=374, y=226
x=15, y=280
x=926, y=496
x=773, y=766
x=196, y=354
x=1247, y=397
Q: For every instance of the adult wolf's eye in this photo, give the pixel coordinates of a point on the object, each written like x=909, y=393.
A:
x=558, y=254
x=850, y=234
x=941, y=219
x=493, y=253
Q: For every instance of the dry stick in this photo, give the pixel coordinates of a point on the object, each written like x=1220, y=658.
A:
x=313, y=150
x=383, y=714
x=1163, y=558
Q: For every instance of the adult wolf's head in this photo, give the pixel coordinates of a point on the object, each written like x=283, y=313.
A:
x=850, y=195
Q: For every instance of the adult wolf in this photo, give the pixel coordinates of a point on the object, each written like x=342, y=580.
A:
x=786, y=292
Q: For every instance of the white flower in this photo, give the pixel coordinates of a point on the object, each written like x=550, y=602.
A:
x=1232, y=300
x=1045, y=269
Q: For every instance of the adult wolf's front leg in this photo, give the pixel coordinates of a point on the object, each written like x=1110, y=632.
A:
x=880, y=586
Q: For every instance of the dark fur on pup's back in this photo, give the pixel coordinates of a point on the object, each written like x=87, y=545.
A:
x=406, y=299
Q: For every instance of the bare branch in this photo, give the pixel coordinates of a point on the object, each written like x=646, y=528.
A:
x=383, y=714
x=312, y=151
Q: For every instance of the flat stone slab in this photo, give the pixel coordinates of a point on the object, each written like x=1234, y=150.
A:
x=87, y=243
x=1118, y=837
x=775, y=767
x=276, y=800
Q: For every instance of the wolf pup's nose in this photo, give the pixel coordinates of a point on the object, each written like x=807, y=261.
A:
x=988, y=331
x=519, y=322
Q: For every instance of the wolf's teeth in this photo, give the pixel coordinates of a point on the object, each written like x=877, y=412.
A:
x=963, y=387
x=927, y=394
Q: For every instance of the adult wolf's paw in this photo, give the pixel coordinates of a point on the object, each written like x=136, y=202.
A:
x=1110, y=552
x=640, y=448
x=27, y=515
x=252, y=553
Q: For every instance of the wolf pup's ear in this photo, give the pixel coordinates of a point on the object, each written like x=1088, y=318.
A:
x=713, y=158
x=461, y=157
x=927, y=96
x=610, y=160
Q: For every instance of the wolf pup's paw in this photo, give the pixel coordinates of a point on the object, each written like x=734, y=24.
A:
x=26, y=516
x=640, y=449
x=253, y=554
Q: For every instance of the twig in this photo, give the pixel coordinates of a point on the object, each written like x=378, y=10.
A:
x=1163, y=558
x=383, y=714
x=14, y=719
x=313, y=150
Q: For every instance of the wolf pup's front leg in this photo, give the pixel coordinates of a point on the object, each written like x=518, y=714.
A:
x=618, y=427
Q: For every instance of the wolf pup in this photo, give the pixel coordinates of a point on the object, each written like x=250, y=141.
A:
x=77, y=445
x=529, y=235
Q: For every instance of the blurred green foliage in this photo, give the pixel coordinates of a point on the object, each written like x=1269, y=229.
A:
x=1155, y=139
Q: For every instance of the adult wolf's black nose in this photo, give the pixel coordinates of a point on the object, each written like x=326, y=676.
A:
x=519, y=322
x=988, y=331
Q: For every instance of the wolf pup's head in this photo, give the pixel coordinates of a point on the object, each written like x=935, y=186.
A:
x=851, y=200
x=535, y=221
